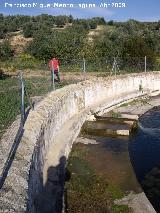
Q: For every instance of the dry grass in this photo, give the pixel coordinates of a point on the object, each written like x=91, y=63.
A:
x=18, y=43
x=96, y=32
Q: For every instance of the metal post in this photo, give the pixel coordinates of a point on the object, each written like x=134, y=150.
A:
x=145, y=63
x=84, y=68
x=22, y=98
x=114, y=68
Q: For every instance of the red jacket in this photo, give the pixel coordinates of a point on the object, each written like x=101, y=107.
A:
x=53, y=64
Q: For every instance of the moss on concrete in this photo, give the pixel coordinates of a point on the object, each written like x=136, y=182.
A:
x=142, y=100
x=115, y=114
x=86, y=191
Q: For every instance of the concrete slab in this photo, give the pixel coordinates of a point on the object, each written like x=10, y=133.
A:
x=137, y=202
x=130, y=116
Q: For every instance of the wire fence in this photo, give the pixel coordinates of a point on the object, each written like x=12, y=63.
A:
x=124, y=65
x=103, y=64
x=37, y=80
x=21, y=90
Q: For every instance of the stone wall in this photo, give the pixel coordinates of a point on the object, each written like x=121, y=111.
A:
x=50, y=131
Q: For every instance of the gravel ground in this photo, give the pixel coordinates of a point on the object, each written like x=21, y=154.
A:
x=7, y=141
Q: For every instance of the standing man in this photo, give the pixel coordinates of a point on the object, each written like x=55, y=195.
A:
x=54, y=67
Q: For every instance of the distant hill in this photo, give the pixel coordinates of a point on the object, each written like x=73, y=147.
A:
x=44, y=36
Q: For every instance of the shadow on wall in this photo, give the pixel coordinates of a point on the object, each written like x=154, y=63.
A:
x=50, y=198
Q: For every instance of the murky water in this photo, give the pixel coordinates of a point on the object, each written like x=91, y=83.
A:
x=99, y=174
x=102, y=172
x=111, y=161
x=144, y=148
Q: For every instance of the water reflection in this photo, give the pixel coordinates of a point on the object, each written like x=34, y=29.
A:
x=113, y=162
x=144, y=149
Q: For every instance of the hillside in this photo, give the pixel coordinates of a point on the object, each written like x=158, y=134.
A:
x=18, y=43
x=95, y=33
x=41, y=37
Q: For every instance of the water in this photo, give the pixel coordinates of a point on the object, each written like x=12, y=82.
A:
x=144, y=149
x=107, y=165
x=98, y=174
x=113, y=162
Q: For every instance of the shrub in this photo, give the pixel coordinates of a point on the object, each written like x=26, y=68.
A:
x=6, y=51
x=28, y=29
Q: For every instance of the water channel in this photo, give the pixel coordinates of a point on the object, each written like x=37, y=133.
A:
x=100, y=168
x=144, y=151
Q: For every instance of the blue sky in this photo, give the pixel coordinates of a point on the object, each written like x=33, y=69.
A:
x=142, y=10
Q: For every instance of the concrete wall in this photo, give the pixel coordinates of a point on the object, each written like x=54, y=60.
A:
x=50, y=131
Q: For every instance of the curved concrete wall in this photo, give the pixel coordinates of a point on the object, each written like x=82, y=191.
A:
x=52, y=127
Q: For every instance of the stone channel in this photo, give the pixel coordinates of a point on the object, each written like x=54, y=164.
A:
x=100, y=156
x=38, y=168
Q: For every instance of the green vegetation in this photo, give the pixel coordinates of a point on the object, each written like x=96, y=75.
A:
x=10, y=102
x=128, y=41
x=30, y=24
x=115, y=191
x=87, y=191
x=5, y=50
x=115, y=114
x=68, y=39
x=143, y=100
x=120, y=209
